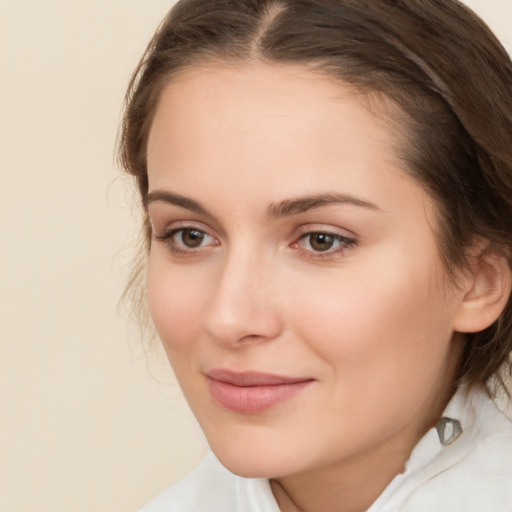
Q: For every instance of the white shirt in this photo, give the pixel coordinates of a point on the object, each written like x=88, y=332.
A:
x=465, y=468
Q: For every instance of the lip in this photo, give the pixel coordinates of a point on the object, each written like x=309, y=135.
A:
x=253, y=392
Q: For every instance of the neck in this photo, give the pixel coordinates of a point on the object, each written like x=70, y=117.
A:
x=350, y=486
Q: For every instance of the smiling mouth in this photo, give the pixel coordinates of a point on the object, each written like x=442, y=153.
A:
x=252, y=392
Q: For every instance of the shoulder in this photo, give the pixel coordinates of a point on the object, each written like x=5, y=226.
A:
x=209, y=487
x=477, y=472
x=471, y=473
x=490, y=457
x=212, y=488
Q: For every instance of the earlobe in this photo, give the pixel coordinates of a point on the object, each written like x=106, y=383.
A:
x=486, y=292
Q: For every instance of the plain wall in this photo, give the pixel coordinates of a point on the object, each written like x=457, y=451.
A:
x=85, y=423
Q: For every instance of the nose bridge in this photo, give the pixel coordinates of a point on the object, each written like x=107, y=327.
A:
x=242, y=304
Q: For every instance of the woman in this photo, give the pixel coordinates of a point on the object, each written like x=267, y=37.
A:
x=327, y=187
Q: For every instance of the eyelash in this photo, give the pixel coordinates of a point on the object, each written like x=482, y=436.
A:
x=175, y=249
x=345, y=243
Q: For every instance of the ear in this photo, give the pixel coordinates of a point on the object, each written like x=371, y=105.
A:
x=487, y=287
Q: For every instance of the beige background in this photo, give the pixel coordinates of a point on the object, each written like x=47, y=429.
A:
x=85, y=423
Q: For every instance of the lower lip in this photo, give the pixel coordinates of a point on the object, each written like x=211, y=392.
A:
x=253, y=399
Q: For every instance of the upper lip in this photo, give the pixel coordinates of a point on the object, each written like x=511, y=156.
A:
x=252, y=378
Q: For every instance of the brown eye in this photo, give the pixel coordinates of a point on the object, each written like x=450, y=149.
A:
x=321, y=241
x=187, y=241
x=191, y=238
x=324, y=244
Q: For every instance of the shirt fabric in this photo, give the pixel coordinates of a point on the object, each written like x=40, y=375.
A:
x=464, y=464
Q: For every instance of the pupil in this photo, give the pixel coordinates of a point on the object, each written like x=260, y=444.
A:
x=322, y=241
x=192, y=237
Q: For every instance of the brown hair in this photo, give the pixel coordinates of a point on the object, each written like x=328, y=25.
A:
x=435, y=59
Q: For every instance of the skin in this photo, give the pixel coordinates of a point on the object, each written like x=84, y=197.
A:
x=370, y=320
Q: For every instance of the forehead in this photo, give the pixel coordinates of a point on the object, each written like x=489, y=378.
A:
x=268, y=115
x=223, y=88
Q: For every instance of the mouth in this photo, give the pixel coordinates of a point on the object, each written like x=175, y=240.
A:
x=253, y=392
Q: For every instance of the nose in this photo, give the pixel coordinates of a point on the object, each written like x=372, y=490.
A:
x=243, y=307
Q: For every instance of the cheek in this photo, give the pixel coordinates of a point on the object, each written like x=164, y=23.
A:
x=175, y=301
x=375, y=319
x=384, y=339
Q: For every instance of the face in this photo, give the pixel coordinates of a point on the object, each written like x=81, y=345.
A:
x=293, y=275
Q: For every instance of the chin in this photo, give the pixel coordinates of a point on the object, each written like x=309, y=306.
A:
x=252, y=460
x=247, y=468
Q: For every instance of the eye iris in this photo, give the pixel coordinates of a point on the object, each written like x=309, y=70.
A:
x=192, y=238
x=321, y=241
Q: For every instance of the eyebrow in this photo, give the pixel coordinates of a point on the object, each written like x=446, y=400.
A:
x=162, y=196
x=303, y=204
x=285, y=208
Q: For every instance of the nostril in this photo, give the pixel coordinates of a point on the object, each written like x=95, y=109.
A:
x=241, y=322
